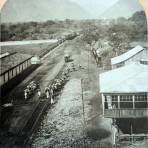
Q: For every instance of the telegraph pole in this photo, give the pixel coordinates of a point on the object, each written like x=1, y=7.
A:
x=84, y=121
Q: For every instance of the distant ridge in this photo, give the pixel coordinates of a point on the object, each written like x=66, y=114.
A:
x=123, y=8
x=41, y=10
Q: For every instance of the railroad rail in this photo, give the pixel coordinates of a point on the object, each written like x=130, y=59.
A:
x=22, y=137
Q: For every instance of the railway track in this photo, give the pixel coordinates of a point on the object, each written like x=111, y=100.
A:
x=22, y=137
x=32, y=123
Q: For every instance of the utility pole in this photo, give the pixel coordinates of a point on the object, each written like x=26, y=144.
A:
x=88, y=60
x=84, y=121
x=82, y=100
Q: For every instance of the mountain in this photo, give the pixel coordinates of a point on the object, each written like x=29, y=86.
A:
x=123, y=8
x=41, y=10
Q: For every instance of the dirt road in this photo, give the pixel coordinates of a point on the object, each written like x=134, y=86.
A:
x=75, y=120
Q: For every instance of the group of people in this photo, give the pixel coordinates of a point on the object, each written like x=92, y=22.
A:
x=97, y=57
x=54, y=87
x=30, y=89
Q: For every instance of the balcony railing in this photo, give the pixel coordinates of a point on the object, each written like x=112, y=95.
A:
x=126, y=113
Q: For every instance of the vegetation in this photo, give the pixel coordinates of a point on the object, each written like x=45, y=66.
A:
x=118, y=33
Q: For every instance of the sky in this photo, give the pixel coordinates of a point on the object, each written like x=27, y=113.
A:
x=92, y=6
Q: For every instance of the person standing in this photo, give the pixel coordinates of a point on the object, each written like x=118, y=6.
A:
x=25, y=94
x=47, y=92
x=51, y=96
x=39, y=92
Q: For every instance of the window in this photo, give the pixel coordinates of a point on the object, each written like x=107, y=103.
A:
x=26, y=64
x=120, y=64
x=144, y=62
x=22, y=66
x=126, y=101
x=19, y=68
x=141, y=101
x=126, y=98
x=12, y=72
x=114, y=98
x=114, y=101
x=4, y=78
x=141, y=98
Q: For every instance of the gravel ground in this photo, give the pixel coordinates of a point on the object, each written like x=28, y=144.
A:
x=73, y=121
x=76, y=119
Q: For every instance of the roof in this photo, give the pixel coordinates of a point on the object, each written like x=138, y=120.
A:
x=12, y=60
x=126, y=55
x=14, y=43
x=2, y=55
x=128, y=79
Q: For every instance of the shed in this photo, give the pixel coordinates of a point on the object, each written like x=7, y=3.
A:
x=135, y=54
x=12, y=65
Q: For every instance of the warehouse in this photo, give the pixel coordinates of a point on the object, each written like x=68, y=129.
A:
x=12, y=68
x=124, y=94
x=137, y=54
x=12, y=65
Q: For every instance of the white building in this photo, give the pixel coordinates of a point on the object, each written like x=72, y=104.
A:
x=137, y=54
x=125, y=91
x=124, y=94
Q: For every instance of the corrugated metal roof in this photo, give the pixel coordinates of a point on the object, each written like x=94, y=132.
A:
x=127, y=79
x=126, y=55
x=12, y=60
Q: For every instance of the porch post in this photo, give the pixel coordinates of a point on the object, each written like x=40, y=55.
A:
x=133, y=98
x=103, y=101
x=119, y=102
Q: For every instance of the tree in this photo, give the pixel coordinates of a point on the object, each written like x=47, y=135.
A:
x=91, y=32
x=119, y=41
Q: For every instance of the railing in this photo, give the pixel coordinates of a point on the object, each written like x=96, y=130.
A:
x=126, y=113
x=132, y=138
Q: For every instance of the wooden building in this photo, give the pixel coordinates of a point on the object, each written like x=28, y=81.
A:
x=11, y=65
x=124, y=91
x=124, y=94
x=137, y=54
